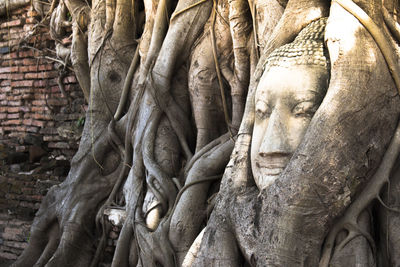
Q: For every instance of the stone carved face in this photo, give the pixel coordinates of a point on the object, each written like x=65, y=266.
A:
x=285, y=101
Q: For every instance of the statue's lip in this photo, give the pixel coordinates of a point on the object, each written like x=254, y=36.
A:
x=272, y=163
x=271, y=169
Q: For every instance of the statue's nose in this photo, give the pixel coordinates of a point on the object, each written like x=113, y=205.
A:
x=275, y=140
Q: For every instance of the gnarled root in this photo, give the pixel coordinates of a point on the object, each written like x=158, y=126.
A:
x=349, y=220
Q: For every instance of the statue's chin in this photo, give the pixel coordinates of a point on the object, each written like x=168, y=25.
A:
x=263, y=181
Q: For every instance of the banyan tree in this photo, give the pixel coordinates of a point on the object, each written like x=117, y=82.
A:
x=229, y=133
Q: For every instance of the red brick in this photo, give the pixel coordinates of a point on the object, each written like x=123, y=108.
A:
x=25, y=83
x=11, y=76
x=13, y=116
x=46, y=67
x=14, y=244
x=6, y=89
x=12, y=23
x=3, y=116
x=39, y=108
x=32, y=13
x=42, y=116
x=8, y=69
x=24, y=68
x=57, y=102
x=52, y=138
x=12, y=109
x=38, y=123
x=11, y=122
x=26, y=53
x=38, y=103
x=15, y=103
x=40, y=83
x=31, y=75
x=29, y=61
x=24, y=109
x=27, y=96
x=27, y=122
x=58, y=145
x=32, y=129
x=28, y=27
x=8, y=256
x=31, y=20
x=14, y=30
x=5, y=83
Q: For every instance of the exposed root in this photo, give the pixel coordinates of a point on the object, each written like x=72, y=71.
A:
x=218, y=70
x=381, y=177
x=177, y=13
x=380, y=39
x=354, y=231
x=386, y=206
x=370, y=192
x=392, y=24
x=127, y=84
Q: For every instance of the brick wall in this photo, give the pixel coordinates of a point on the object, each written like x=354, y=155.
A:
x=39, y=125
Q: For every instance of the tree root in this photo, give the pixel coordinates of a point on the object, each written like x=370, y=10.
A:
x=127, y=84
x=392, y=24
x=218, y=70
x=370, y=192
x=381, y=177
x=380, y=39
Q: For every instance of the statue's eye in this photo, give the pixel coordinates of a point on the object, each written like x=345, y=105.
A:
x=305, y=109
x=262, y=110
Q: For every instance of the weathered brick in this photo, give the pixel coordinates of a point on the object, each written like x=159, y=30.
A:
x=42, y=116
x=8, y=256
x=14, y=244
x=12, y=23
x=13, y=116
x=8, y=69
x=12, y=122
x=12, y=76
x=31, y=75
x=41, y=83
x=13, y=109
x=58, y=145
x=5, y=83
x=52, y=138
x=32, y=129
x=23, y=68
x=28, y=27
x=57, y=102
x=40, y=108
x=38, y=103
x=24, y=83
x=27, y=122
x=14, y=103
x=46, y=67
x=29, y=61
x=31, y=20
x=38, y=123
x=32, y=13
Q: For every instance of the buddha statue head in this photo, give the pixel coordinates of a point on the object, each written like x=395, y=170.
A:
x=293, y=84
